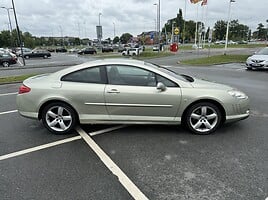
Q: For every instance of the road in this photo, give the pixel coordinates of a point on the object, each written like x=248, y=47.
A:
x=61, y=60
x=164, y=162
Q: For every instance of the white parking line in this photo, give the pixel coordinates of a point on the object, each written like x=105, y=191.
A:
x=124, y=180
x=6, y=94
x=7, y=112
x=107, y=130
x=18, y=153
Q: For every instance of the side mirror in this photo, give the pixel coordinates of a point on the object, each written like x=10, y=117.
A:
x=161, y=86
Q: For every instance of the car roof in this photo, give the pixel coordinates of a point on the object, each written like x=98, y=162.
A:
x=109, y=61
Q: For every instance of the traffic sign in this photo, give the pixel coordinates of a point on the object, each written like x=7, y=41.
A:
x=176, y=31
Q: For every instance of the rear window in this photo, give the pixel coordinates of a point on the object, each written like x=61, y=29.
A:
x=89, y=75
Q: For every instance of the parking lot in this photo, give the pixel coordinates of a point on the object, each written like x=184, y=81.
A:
x=141, y=162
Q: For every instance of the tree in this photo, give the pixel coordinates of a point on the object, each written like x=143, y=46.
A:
x=238, y=31
x=261, y=31
x=28, y=40
x=116, y=39
x=125, y=38
x=220, y=29
x=5, y=39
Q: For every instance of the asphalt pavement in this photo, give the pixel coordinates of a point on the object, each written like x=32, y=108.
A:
x=163, y=162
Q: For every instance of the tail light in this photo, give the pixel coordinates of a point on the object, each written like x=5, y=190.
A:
x=24, y=89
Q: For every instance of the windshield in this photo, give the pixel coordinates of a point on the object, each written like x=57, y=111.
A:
x=263, y=52
x=170, y=72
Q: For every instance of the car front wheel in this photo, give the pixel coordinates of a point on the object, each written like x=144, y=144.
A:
x=5, y=64
x=203, y=118
x=59, y=118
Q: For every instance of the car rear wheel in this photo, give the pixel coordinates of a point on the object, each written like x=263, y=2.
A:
x=5, y=64
x=45, y=56
x=203, y=118
x=27, y=57
x=59, y=118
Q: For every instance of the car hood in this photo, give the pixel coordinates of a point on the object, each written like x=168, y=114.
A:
x=259, y=57
x=198, y=83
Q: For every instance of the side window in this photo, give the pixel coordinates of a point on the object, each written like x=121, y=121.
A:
x=89, y=75
x=130, y=75
x=165, y=81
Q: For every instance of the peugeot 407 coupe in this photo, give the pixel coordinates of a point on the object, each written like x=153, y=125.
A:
x=126, y=91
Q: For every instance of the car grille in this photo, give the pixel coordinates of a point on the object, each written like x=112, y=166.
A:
x=257, y=61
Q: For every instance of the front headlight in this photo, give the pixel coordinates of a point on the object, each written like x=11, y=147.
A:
x=237, y=94
x=248, y=59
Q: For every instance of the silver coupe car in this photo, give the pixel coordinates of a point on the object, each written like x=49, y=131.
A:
x=126, y=91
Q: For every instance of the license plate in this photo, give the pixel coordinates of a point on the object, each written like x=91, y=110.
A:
x=255, y=65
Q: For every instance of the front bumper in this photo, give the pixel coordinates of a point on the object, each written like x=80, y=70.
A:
x=234, y=118
x=238, y=110
x=256, y=66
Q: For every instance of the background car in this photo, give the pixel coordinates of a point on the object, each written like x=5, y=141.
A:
x=131, y=52
x=73, y=50
x=128, y=91
x=107, y=49
x=121, y=49
x=37, y=54
x=88, y=50
x=259, y=60
x=61, y=50
x=25, y=50
x=7, y=59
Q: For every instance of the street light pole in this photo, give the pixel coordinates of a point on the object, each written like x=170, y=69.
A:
x=61, y=34
x=159, y=37
x=99, y=18
x=266, y=31
x=156, y=23
x=114, y=29
x=100, y=37
x=18, y=31
x=227, y=29
x=7, y=9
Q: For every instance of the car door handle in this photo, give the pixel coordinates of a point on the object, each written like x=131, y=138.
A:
x=113, y=91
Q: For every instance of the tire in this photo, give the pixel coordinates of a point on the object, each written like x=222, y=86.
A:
x=5, y=64
x=249, y=68
x=27, y=57
x=59, y=118
x=203, y=118
x=45, y=56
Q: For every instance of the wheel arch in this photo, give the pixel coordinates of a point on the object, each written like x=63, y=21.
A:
x=216, y=103
x=56, y=101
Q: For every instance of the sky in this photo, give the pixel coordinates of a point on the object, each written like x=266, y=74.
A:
x=80, y=17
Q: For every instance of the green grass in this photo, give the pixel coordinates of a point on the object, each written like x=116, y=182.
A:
x=214, y=60
x=152, y=54
x=14, y=79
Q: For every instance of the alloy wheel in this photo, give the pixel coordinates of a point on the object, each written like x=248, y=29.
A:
x=58, y=118
x=203, y=119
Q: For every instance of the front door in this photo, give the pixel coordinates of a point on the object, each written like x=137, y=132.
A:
x=132, y=95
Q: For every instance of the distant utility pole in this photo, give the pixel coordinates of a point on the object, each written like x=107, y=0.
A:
x=18, y=31
x=227, y=29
